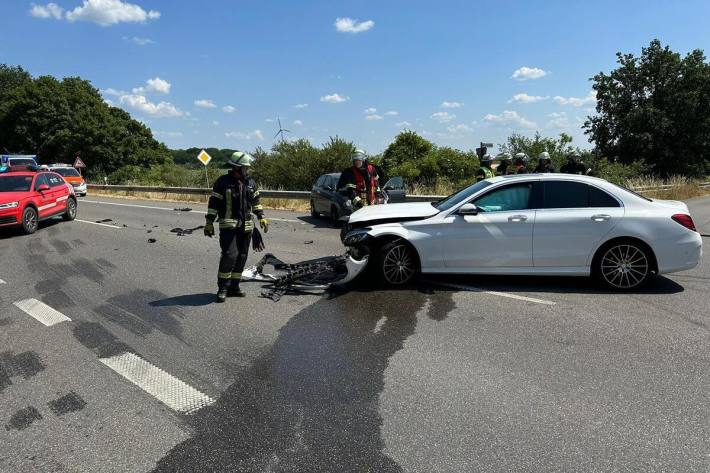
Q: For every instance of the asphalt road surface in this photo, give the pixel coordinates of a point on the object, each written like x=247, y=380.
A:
x=114, y=358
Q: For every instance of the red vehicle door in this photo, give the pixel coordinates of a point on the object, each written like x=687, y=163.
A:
x=60, y=192
x=44, y=199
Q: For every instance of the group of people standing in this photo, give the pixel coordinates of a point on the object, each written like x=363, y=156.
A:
x=518, y=164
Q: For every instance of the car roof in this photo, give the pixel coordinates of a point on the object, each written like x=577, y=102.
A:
x=547, y=177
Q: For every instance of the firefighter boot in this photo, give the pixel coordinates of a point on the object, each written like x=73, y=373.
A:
x=222, y=295
x=234, y=291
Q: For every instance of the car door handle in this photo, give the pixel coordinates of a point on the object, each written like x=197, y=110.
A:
x=517, y=218
x=601, y=218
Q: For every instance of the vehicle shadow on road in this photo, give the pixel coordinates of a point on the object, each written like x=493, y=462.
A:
x=189, y=300
x=311, y=403
x=12, y=232
x=550, y=284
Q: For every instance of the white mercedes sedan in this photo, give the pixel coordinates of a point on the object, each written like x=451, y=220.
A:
x=534, y=224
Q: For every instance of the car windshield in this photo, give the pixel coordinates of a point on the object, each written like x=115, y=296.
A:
x=22, y=162
x=460, y=196
x=67, y=172
x=15, y=183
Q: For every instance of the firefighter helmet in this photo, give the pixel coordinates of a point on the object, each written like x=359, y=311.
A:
x=521, y=157
x=486, y=159
x=504, y=157
x=359, y=155
x=240, y=159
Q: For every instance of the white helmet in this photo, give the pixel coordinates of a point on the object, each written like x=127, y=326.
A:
x=359, y=155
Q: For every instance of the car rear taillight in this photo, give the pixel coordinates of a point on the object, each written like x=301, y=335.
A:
x=684, y=220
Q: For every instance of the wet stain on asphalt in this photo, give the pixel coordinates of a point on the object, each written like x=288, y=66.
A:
x=23, y=418
x=59, y=300
x=26, y=364
x=5, y=381
x=134, y=312
x=78, y=242
x=6, y=321
x=61, y=246
x=87, y=269
x=102, y=342
x=311, y=402
x=104, y=263
x=71, y=402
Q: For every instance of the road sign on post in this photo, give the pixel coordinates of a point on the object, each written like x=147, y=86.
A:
x=205, y=159
x=78, y=163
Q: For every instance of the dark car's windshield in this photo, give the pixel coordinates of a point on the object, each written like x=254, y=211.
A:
x=15, y=183
x=460, y=196
x=22, y=162
x=67, y=172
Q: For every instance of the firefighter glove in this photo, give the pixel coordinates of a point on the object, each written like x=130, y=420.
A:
x=357, y=202
x=209, y=230
x=264, y=224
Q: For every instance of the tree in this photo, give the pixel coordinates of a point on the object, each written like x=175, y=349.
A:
x=407, y=146
x=56, y=119
x=655, y=108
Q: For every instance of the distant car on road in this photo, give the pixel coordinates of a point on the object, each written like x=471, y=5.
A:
x=72, y=176
x=327, y=200
x=11, y=160
x=28, y=197
x=536, y=224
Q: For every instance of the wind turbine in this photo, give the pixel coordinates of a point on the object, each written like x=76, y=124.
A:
x=281, y=131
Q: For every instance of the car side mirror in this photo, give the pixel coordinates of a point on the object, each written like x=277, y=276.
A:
x=43, y=187
x=468, y=209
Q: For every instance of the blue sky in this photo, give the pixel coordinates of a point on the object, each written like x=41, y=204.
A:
x=219, y=72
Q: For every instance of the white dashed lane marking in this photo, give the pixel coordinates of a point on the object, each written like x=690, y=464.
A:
x=493, y=293
x=2, y=282
x=165, y=387
x=41, y=312
x=97, y=223
x=171, y=210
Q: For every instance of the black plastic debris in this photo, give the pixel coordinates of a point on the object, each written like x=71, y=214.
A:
x=149, y=231
x=104, y=220
x=152, y=240
x=185, y=231
x=308, y=242
x=186, y=209
x=125, y=226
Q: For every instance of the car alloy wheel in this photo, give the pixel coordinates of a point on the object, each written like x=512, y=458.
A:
x=29, y=220
x=624, y=266
x=398, y=263
x=70, y=213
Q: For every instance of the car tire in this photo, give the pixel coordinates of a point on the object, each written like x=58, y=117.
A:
x=30, y=220
x=624, y=265
x=334, y=216
x=397, y=263
x=70, y=212
x=314, y=214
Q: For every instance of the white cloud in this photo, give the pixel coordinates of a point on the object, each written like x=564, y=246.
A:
x=525, y=98
x=157, y=110
x=252, y=135
x=510, y=118
x=169, y=134
x=451, y=104
x=229, y=109
x=215, y=122
x=110, y=12
x=458, y=129
x=298, y=122
x=334, y=98
x=559, y=123
x=109, y=102
x=392, y=113
x=158, y=85
x=139, y=41
x=301, y=105
x=112, y=91
x=443, y=117
x=370, y=110
x=349, y=25
x=205, y=103
x=50, y=10
x=269, y=120
x=373, y=117
x=529, y=73
x=576, y=101
x=403, y=124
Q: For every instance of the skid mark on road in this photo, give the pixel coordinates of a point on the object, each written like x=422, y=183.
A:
x=71, y=402
x=165, y=387
x=23, y=418
x=493, y=293
x=41, y=312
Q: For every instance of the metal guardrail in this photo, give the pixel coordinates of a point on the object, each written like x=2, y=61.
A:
x=299, y=195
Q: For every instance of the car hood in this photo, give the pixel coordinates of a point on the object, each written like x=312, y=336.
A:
x=672, y=204
x=6, y=197
x=417, y=210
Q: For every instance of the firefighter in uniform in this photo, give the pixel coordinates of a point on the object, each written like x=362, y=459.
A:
x=575, y=165
x=505, y=164
x=544, y=163
x=361, y=181
x=521, y=163
x=485, y=171
x=234, y=197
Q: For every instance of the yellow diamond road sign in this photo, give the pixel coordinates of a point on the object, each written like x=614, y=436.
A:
x=204, y=158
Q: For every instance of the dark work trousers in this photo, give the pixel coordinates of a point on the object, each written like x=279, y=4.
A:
x=235, y=249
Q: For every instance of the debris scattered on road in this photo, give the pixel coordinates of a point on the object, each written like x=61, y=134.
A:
x=152, y=240
x=308, y=242
x=186, y=209
x=149, y=231
x=104, y=220
x=186, y=231
x=125, y=226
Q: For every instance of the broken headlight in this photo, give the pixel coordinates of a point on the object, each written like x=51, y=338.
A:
x=357, y=237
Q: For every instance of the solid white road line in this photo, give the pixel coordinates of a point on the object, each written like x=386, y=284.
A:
x=41, y=312
x=97, y=223
x=163, y=386
x=493, y=293
x=2, y=282
x=173, y=210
